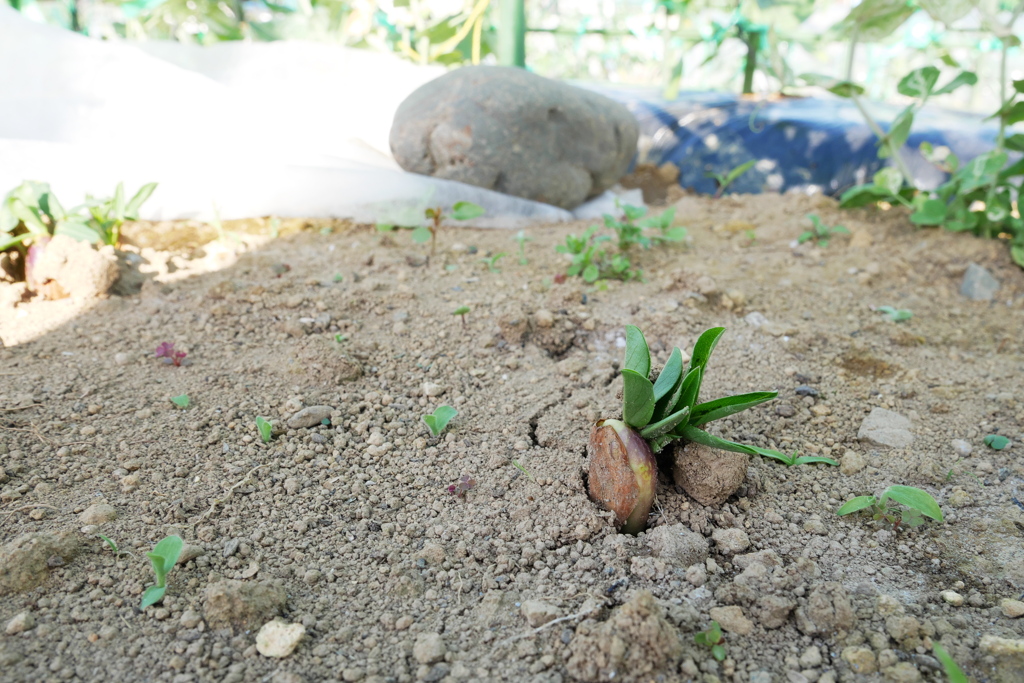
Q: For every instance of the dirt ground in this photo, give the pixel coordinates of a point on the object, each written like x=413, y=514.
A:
x=346, y=526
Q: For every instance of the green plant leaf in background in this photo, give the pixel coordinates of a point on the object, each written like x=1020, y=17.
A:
x=181, y=401
x=670, y=375
x=266, y=429
x=464, y=211
x=856, y=504
x=953, y=671
x=996, y=442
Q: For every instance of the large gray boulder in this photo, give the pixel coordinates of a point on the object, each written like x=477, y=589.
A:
x=505, y=129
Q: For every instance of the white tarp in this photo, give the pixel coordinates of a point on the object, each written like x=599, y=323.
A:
x=235, y=129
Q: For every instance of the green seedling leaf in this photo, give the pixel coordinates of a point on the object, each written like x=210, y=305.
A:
x=464, y=211
x=515, y=463
x=813, y=459
x=919, y=82
x=787, y=460
x=265, y=428
x=110, y=544
x=670, y=375
x=421, y=235
x=690, y=388
x=889, y=179
x=653, y=431
x=440, y=418
x=180, y=401
x=637, y=399
x=915, y=499
x=163, y=557
x=962, y=78
x=705, y=346
x=729, y=405
x=152, y=595
x=718, y=652
x=953, y=671
x=856, y=504
x=996, y=442
x=461, y=310
x=131, y=211
x=691, y=433
x=77, y=230
x=638, y=356
x=895, y=315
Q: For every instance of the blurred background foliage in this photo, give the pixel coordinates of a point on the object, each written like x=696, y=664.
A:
x=757, y=46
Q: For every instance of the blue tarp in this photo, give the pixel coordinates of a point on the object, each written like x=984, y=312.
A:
x=801, y=143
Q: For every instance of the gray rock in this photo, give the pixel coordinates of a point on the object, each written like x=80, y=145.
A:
x=242, y=604
x=309, y=417
x=22, y=621
x=678, y=545
x=886, y=428
x=429, y=648
x=97, y=514
x=508, y=130
x=978, y=284
x=962, y=448
x=25, y=562
x=828, y=610
x=731, y=541
x=538, y=612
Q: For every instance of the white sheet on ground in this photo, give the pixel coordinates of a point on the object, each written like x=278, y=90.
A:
x=236, y=130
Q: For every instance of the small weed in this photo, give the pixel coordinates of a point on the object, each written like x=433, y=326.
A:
x=996, y=442
x=896, y=315
x=919, y=504
x=338, y=277
x=464, y=484
x=522, y=239
x=339, y=337
x=266, y=429
x=724, y=181
x=592, y=262
x=492, y=261
x=163, y=558
x=461, y=211
x=713, y=640
x=791, y=460
x=953, y=671
x=461, y=311
x=820, y=232
x=439, y=419
x=515, y=463
x=169, y=355
x=113, y=546
x=181, y=401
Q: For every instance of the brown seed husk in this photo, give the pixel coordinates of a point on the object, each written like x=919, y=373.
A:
x=617, y=476
x=708, y=475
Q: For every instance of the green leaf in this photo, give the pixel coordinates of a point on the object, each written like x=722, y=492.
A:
x=915, y=499
x=691, y=433
x=953, y=671
x=787, y=460
x=729, y=405
x=637, y=399
x=962, y=78
x=77, y=230
x=461, y=310
x=7, y=241
x=898, y=133
x=153, y=595
x=705, y=346
x=919, y=82
x=653, y=431
x=169, y=549
x=715, y=632
x=265, y=428
x=638, y=356
x=738, y=171
x=889, y=179
x=670, y=375
x=930, y=212
x=591, y=273
x=119, y=202
x=833, y=85
x=31, y=217
x=718, y=652
x=464, y=211
x=812, y=459
x=421, y=234
x=1017, y=254
x=856, y=504
x=131, y=211
x=180, y=401
x=49, y=203
x=690, y=388
x=439, y=419
x=874, y=20
x=996, y=442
